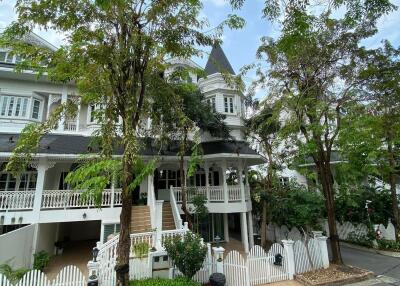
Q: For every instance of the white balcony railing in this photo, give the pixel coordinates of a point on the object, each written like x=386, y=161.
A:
x=56, y=199
x=70, y=126
x=17, y=200
x=212, y=193
x=234, y=193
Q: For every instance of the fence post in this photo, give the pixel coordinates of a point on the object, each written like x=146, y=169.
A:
x=219, y=258
x=209, y=259
x=93, y=270
x=288, y=246
x=324, y=250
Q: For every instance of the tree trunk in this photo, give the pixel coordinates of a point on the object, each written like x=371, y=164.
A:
x=393, y=194
x=264, y=225
x=326, y=179
x=122, y=267
x=188, y=217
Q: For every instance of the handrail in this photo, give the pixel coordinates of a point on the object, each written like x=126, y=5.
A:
x=151, y=202
x=175, y=209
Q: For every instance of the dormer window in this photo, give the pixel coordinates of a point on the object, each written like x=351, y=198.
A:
x=228, y=104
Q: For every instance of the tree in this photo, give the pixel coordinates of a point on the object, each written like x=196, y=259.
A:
x=372, y=147
x=312, y=75
x=114, y=53
x=263, y=128
x=192, y=115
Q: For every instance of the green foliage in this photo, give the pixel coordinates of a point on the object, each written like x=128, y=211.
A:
x=350, y=205
x=141, y=249
x=181, y=281
x=41, y=260
x=12, y=275
x=187, y=253
x=363, y=240
x=389, y=245
x=200, y=211
x=294, y=205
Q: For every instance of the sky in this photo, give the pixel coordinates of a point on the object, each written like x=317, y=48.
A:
x=239, y=45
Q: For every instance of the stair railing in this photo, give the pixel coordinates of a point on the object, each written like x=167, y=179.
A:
x=175, y=209
x=151, y=201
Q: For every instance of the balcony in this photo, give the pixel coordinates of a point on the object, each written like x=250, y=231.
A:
x=215, y=194
x=56, y=199
x=67, y=199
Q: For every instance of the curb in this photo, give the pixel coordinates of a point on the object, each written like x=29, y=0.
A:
x=371, y=250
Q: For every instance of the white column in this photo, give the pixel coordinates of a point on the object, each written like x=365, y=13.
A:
x=240, y=171
x=250, y=225
x=288, y=246
x=64, y=98
x=206, y=169
x=324, y=250
x=112, y=193
x=244, y=232
x=223, y=167
x=226, y=227
x=78, y=115
x=41, y=167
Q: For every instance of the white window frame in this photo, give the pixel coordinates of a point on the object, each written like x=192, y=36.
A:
x=89, y=113
x=229, y=106
x=29, y=99
x=8, y=58
x=211, y=101
x=29, y=174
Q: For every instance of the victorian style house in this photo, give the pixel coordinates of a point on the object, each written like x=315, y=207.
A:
x=41, y=196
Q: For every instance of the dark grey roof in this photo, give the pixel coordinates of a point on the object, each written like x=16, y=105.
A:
x=75, y=145
x=218, y=62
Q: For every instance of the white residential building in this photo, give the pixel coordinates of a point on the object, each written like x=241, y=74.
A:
x=40, y=194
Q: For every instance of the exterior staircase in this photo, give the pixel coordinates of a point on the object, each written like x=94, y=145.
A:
x=140, y=219
x=168, y=222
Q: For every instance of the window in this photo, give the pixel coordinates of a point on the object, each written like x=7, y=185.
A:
x=284, y=181
x=228, y=104
x=3, y=57
x=62, y=185
x=27, y=181
x=168, y=178
x=8, y=57
x=110, y=229
x=211, y=102
x=13, y=106
x=36, y=109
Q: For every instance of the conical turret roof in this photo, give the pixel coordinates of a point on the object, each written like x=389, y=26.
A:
x=218, y=62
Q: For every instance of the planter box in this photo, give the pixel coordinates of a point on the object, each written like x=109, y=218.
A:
x=357, y=275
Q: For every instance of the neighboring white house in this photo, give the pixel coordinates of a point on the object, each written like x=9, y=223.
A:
x=40, y=195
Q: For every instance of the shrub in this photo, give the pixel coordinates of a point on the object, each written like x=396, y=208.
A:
x=363, y=240
x=12, y=275
x=164, y=282
x=187, y=253
x=389, y=245
x=41, y=260
x=141, y=249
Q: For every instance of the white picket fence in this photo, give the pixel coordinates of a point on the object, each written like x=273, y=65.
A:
x=278, y=233
x=262, y=268
x=361, y=229
x=70, y=275
x=306, y=260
